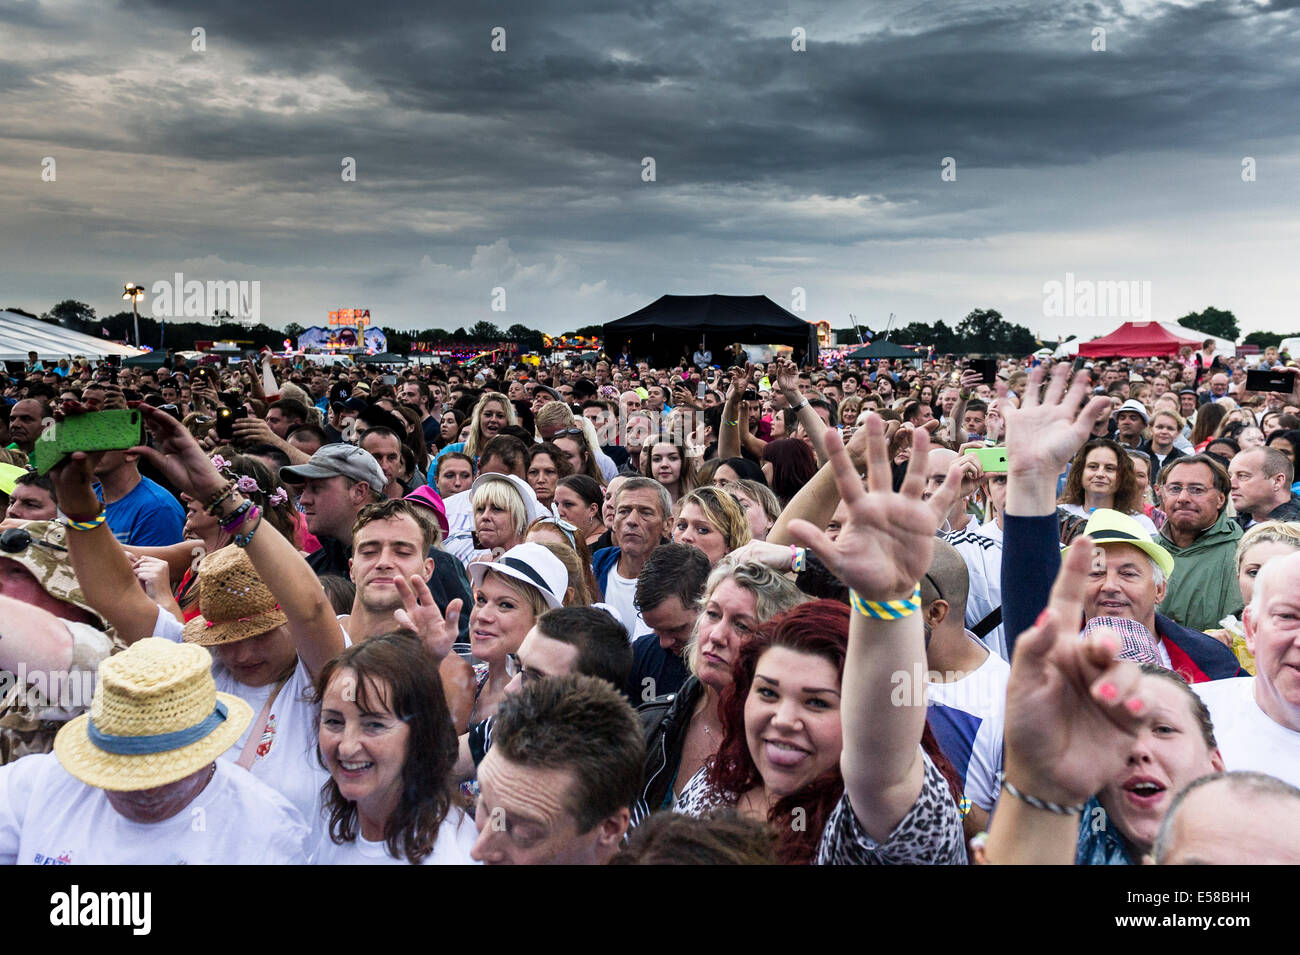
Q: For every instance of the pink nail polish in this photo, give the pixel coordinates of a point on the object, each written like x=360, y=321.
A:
x=1042, y=618
x=1135, y=706
x=1107, y=692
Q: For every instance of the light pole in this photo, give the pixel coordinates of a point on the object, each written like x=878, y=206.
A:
x=134, y=292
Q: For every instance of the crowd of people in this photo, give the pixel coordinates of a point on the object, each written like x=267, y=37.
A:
x=623, y=612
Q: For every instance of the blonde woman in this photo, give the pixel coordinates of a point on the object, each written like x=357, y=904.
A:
x=1259, y=545
x=492, y=413
x=712, y=521
x=685, y=729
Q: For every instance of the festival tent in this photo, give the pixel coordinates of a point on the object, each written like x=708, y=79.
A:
x=1136, y=340
x=1068, y=348
x=20, y=334
x=673, y=325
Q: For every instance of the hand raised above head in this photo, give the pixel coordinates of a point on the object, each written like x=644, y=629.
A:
x=886, y=544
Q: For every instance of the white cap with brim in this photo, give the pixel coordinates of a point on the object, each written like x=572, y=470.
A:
x=532, y=564
x=1137, y=407
x=532, y=507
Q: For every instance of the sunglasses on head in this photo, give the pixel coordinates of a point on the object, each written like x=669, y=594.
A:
x=15, y=540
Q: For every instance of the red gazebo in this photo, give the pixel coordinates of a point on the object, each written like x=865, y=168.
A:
x=1136, y=340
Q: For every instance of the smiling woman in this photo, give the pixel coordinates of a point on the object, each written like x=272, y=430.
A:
x=387, y=740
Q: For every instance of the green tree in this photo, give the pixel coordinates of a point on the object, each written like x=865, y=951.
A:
x=292, y=331
x=528, y=339
x=1212, y=321
x=72, y=314
x=485, y=332
x=591, y=331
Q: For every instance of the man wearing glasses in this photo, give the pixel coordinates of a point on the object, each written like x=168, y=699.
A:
x=1203, y=541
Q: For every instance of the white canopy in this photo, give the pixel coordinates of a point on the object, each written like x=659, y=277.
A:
x=1222, y=346
x=20, y=334
x=1068, y=348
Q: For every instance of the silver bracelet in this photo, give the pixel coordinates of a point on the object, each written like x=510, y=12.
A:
x=1052, y=807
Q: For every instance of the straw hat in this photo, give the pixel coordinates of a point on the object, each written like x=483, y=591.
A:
x=234, y=604
x=156, y=718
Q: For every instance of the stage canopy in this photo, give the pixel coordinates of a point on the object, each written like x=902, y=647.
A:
x=673, y=325
x=20, y=334
x=1136, y=340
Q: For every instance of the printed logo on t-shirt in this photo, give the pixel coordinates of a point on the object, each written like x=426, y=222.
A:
x=268, y=737
x=63, y=858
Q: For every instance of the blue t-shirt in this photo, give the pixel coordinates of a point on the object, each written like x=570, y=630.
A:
x=147, y=517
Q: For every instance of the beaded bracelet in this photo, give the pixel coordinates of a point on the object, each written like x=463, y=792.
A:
x=215, y=501
x=89, y=525
x=888, y=609
x=235, y=518
x=798, y=559
x=243, y=540
x=1052, y=807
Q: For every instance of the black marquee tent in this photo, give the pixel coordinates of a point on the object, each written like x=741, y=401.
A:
x=673, y=325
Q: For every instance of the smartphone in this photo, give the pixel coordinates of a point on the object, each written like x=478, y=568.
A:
x=700, y=389
x=992, y=460
x=226, y=418
x=390, y=379
x=1271, y=380
x=112, y=430
x=1079, y=363
x=988, y=369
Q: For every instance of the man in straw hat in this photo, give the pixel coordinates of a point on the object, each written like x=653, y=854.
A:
x=146, y=756
x=65, y=641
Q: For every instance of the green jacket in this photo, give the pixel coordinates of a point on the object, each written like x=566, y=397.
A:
x=1203, y=589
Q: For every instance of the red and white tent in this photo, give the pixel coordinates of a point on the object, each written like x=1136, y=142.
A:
x=1136, y=340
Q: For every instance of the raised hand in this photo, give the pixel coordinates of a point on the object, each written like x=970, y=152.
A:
x=420, y=614
x=1044, y=434
x=739, y=382
x=1072, y=708
x=787, y=377
x=886, y=544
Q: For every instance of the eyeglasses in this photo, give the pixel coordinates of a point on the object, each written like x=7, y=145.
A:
x=525, y=674
x=1193, y=490
x=15, y=540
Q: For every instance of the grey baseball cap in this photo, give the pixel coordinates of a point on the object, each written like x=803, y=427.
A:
x=338, y=460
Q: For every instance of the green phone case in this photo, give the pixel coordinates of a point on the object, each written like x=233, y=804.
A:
x=992, y=460
x=97, y=431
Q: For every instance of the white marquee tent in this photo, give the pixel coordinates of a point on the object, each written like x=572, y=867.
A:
x=20, y=334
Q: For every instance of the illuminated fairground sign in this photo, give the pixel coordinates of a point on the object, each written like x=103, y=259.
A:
x=356, y=317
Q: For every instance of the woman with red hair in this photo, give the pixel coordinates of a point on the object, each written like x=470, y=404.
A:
x=818, y=740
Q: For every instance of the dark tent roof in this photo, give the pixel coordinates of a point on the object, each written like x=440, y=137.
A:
x=883, y=349
x=1135, y=340
x=675, y=323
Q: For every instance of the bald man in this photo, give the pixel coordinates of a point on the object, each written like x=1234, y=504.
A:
x=1242, y=818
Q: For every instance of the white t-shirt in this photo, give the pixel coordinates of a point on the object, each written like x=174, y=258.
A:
x=981, y=548
x=1248, y=737
x=287, y=755
x=48, y=817
x=620, y=594
x=968, y=717
x=456, y=838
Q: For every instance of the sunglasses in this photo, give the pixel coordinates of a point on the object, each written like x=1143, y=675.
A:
x=15, y=540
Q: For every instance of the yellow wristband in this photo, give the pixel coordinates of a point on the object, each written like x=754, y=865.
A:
x=888, y=609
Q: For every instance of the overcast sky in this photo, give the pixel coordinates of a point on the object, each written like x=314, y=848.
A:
x=774, y=168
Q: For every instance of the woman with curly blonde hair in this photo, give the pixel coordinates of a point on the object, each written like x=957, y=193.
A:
x=492, y=413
